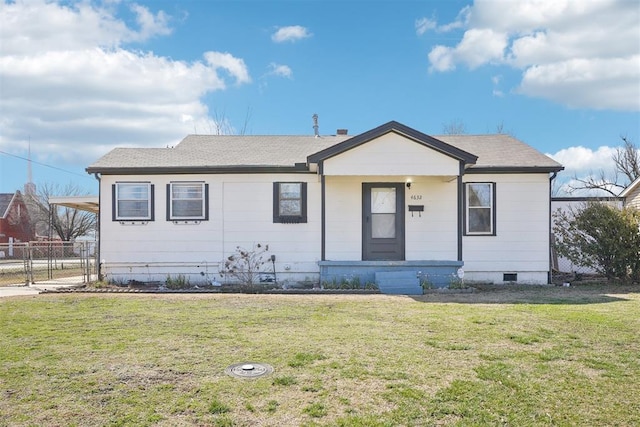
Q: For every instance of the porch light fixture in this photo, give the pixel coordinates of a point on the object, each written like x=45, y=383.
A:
x=409, y=184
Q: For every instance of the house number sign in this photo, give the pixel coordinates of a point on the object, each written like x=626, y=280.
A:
x=416, y=197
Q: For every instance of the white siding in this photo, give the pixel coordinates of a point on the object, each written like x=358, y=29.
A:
x=343, y=218
x=521, y=243
x=633, y=198
x=240, y=214
x=431, y=235
x=392, y=155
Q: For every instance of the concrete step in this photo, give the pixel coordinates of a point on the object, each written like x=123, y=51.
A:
x=398, y=282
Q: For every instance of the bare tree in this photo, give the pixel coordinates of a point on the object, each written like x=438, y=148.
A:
x=220, y=124
x=454, y=127
x=626, y=162
x=66, y=223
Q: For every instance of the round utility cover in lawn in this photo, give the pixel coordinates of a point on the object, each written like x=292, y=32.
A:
x=249, y=370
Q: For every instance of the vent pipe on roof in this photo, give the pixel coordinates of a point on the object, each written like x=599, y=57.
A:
x=315, y=125
x=342, y=131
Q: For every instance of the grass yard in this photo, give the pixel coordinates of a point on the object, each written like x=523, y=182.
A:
x=18, y=276
x=502, y=356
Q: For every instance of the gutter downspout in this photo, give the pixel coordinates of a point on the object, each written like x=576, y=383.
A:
x=323, y=218
x=550, y=272
x=98, y=260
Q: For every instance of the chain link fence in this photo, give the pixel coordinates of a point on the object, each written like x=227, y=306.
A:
x=564, y=270
x=33, y=262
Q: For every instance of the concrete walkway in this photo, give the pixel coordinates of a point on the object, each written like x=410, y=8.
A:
x=36, y=288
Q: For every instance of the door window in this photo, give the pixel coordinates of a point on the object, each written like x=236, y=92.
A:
x=383, y=213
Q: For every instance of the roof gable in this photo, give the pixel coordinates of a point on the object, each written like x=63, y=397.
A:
x=400, y=129
x=630, y=188
x=5, y=203
x=391, y=154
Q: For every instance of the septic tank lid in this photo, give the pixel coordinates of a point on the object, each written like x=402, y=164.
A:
x=249, y=370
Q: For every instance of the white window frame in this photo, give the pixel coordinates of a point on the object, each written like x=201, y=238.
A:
x=118, y=216
x=203, y=201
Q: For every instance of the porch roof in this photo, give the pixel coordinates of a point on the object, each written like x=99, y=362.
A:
x=83, y=203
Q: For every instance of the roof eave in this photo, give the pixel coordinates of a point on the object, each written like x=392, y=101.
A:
x=630, y=188
x=181, y=170
x=513, y=169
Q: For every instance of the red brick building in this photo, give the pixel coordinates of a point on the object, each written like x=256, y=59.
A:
x=15, y=225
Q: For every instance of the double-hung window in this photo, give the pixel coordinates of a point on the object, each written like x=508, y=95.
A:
x=289, y=202
x=480, y=201
x=187, y=201
x=132, y=201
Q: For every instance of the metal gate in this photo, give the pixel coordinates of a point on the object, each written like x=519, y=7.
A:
x=33, y=262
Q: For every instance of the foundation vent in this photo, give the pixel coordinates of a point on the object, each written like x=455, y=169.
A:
x=510, y=277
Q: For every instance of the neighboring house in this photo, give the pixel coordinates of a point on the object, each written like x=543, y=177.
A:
x=15, y=225
x=631, y=194
x=330, y=207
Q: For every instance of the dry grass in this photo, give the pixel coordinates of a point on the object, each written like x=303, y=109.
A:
x=530, y=356
x=18, y=276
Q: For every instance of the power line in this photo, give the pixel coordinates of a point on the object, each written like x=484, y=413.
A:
x=44, y=164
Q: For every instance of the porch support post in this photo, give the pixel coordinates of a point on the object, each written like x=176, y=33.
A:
x=550, y=272
x=322, y=218
x=460, y=210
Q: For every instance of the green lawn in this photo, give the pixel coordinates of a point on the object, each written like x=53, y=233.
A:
x=533, y=356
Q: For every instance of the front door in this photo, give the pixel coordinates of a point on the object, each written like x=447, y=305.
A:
x=383, y=222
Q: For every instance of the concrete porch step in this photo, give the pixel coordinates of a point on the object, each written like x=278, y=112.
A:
x=398, y=282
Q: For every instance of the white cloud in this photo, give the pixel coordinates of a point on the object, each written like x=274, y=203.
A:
x=72, y=88
x=442, y=58
x=234, y=66
x=150, y=24
x=581, y=159
x=425, y=24
x=596, y=83
x=582, y=163
x=280, y=70
x=478, y=46
x=290, y=34
x=582, y=54
x=35, y=26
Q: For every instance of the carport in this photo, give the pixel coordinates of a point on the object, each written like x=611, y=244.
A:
x=83, y=203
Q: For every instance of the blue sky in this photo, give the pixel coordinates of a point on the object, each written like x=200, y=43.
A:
x=80, y=78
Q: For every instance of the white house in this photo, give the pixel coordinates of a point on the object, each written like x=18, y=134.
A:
x=390, y=199
x=631, y=194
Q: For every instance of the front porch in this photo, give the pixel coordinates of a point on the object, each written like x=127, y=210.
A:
x=430, y=273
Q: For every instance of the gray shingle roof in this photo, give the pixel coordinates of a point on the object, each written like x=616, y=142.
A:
x=225, y=151
x=221, y=151
x=500, y=151
x=5, y=201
